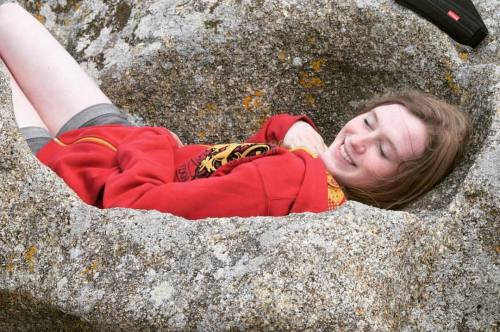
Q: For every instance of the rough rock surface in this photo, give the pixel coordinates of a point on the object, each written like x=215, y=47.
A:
x=211, y=71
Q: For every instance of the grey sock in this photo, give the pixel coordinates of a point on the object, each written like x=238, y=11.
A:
x=98, y=114
x=36, y=137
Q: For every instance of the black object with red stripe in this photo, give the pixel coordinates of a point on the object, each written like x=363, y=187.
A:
x=458, y=18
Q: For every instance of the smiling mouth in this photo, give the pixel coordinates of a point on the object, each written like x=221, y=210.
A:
x=345, y=155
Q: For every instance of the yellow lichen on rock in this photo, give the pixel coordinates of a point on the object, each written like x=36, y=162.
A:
x=40, y=18
x=253, y=101
x=464, y=56
x=317, y=64
x=307, y=81
x=283, y=56
x=89, y=271
x=359, y=311
x=310, y=100
x=9, y=267
x=29, y=257
x=211, y=107
x=454, y=87
x=201, y=135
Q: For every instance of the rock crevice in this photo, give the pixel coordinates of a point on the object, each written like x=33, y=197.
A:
x=193, y=66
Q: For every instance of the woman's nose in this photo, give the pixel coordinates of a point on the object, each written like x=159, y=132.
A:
x=358, y=143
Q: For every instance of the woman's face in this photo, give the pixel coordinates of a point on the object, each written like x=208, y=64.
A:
x=371, y=146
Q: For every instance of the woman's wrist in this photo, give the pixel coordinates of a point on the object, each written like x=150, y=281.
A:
x=302, y=134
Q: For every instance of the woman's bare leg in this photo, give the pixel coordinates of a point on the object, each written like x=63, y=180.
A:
x=25, y=113
x=50, y=78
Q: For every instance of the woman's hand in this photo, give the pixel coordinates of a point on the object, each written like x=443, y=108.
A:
x=302, y=134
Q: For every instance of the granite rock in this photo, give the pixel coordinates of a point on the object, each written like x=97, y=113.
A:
x=212, y=71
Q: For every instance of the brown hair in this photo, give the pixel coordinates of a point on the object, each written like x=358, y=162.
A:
x=448, y=131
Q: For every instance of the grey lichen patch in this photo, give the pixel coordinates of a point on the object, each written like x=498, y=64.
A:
x=100, y=29
x=69, y=5
x=162, y=293
x=90, y=32
x=34, y=7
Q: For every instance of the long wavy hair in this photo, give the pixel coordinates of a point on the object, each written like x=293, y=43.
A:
x=448, y=132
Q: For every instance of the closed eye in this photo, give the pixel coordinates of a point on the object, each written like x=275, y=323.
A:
x=382, y=153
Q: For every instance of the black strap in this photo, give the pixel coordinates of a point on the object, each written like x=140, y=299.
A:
x=458, y=18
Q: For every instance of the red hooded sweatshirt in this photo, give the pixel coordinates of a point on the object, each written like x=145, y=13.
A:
x=143, y=168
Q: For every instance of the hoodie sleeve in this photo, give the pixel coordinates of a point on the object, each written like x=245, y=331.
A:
x=276, y=127
x=145, y=182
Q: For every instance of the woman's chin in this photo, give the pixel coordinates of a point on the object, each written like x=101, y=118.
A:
x=331, y=165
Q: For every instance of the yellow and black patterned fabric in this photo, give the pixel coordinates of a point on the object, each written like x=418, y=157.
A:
x=221, y=154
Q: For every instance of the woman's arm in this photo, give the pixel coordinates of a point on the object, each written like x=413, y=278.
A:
x=276, y=127
x=302, y=134
x=290, y=131
x=146, y=181
x=239, y=193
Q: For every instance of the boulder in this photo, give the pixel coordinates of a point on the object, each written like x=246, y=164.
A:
x=212, y=71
